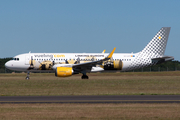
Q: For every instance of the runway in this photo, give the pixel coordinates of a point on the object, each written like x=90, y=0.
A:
x=92, y=99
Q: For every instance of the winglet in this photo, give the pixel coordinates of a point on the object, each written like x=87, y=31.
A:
x=103, y=51
x=111, y=54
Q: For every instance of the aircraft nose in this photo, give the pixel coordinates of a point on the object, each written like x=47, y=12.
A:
x=8, y=64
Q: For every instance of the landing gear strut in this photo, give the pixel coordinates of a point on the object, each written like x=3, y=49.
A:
x=27, y=77
x=85, y=77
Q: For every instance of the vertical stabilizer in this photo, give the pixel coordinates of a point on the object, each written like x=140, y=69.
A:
x=154, y=49
x=157, y=45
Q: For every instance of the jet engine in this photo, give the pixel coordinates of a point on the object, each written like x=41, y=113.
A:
x=64, y=71
x=118, y=64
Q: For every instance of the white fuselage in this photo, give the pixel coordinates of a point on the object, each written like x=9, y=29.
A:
x=49, y=61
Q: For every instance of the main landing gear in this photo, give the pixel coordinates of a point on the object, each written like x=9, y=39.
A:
x=85, y=77
x=27, y=77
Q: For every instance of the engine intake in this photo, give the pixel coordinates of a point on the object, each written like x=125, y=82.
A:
x=63, y=71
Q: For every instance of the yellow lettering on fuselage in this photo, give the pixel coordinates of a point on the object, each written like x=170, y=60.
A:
x=57, y=55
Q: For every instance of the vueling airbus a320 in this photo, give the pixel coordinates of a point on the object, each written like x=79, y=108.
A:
x=67, y=64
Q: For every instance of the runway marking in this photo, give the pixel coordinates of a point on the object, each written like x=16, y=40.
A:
x=91, y=99
x=96, y=101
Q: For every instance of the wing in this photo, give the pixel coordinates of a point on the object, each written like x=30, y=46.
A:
x=103, y=51
x=79, y=68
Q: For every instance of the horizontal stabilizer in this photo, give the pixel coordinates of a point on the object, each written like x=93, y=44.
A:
x=164, y=58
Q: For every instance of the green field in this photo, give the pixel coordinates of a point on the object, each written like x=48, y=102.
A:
x=125, y=83
x=90, y=111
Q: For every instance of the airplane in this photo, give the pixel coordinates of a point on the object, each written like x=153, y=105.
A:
x=68, y=64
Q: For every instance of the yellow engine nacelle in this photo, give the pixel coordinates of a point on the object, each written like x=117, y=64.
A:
x=118, y=65
x=63, y=71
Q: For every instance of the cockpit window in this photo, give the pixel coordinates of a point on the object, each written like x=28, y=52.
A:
x=16, y=59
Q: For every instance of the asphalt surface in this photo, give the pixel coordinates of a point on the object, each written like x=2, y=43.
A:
x=92, y=99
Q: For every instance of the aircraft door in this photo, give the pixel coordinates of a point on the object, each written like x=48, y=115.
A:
x=27, y=59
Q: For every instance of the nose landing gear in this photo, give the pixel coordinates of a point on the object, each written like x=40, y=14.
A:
x=27, y=77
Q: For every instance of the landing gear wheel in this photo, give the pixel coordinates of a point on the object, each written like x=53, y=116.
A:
x=27, y=77
x=85, y=77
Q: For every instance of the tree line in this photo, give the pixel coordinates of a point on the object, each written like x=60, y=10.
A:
x=166, y=66
x=2, y=66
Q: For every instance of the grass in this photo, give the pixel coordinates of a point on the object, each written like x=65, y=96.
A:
x=131, y=83
x=126, y=83
x=90, y=111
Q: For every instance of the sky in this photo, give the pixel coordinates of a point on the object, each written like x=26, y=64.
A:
x=86, y=26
